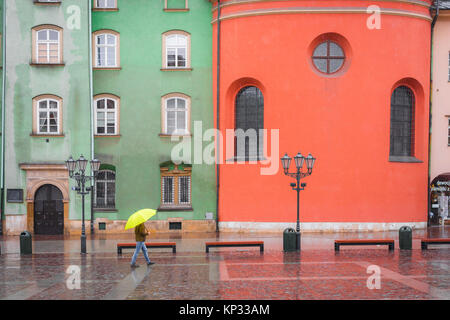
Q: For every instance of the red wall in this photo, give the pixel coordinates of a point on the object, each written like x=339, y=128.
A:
x=343, y=120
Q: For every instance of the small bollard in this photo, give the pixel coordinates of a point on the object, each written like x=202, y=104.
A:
x=26, y=244
x=405, y=238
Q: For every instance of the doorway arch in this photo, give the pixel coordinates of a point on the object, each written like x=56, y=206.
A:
x=48, y=210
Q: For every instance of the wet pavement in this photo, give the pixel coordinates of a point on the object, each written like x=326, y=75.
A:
x=56, y=269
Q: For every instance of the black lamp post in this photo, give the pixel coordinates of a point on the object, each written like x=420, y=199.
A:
x=299, y=161
x=77, y=171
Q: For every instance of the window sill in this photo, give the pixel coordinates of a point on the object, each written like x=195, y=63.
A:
x=175, y=208
x=40, y=3
x=404, y=159
x=34, y=64
x=176, y=9
x=176, y=69
x=107, y=68
x=107, y=135
x=106, y=9
x=43, y=135
x=165, y=135
x=105, y=210
x=246, y=159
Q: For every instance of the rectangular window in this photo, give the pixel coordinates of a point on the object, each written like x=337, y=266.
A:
x=48, y=50
x=176, y=189
x=184, y=190
x=106, y=51
x=168, y=190
x=106, y=4
x=175, y=4
x=48, y=117
x=105, y=190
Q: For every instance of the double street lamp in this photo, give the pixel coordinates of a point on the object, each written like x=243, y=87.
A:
x=77, y=171
x=298, y=174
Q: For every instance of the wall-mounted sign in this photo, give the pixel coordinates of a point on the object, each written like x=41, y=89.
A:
x=14, y=195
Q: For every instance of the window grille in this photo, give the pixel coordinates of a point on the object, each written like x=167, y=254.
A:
x=402, y=124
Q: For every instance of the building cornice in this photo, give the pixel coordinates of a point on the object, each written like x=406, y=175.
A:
x=239, y=2
x=320, y=10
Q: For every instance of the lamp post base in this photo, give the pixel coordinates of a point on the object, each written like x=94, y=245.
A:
x=83, y=243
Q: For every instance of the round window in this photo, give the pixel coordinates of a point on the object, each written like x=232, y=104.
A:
x=328, y=57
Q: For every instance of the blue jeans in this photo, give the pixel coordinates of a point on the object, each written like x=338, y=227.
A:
x=140, y=245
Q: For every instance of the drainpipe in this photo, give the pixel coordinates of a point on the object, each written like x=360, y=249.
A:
x=2, y=178
x=433, y=22
x=218, y=116
x=91, y=99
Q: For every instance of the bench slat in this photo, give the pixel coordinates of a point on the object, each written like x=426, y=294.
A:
x=234, y=242
x=365, y=241
x=259, y=244
x=172, y=245
x=425, y=242
x=360, y=242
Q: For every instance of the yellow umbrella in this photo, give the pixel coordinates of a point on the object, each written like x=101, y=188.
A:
x=139, y=217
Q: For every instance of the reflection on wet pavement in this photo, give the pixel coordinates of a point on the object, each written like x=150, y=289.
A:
x=230, y=273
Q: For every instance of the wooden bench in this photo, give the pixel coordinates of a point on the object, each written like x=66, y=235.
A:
x=426, y=242
x=363, y=242
x=172, y=245
x=259, y=244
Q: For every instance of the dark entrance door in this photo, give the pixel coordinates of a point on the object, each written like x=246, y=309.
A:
x=48, y=210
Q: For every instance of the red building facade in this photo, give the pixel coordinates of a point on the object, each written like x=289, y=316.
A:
x=348, y=82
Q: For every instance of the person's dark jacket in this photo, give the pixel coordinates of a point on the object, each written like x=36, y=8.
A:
x=140, y=232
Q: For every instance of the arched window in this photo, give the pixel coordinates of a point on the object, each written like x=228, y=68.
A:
x=47, y=48
x=106, y=114
x=249, y=123
x=106, y=49
x=402, y=122
x=176, y=114
x=176, y=50
x=47, y=115
x=105, y=190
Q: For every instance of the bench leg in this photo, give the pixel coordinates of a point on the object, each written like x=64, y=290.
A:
x=336, y=247
x=261, y=248
x=207, y=249
x=174, y=249
x=424, y=246
x=391, y=246
x=119, y=251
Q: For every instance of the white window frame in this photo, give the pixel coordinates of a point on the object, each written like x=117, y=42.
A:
x=98, y=4
x=105, y=111
x=185, y=110
x=176, y=47
x=116, y=47
x=48, y=43
x=48, y=110
x=166, y=47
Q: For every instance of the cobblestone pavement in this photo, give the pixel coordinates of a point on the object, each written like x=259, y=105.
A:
x=53, y=269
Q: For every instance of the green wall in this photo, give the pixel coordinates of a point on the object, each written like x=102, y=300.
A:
x=23, y=82
x=140, y=84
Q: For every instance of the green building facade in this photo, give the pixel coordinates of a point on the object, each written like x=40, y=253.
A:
x=123, y=81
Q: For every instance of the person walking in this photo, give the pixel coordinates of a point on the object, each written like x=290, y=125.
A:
x=140, y=232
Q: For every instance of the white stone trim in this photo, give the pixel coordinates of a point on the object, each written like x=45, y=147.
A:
x=318, y=226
